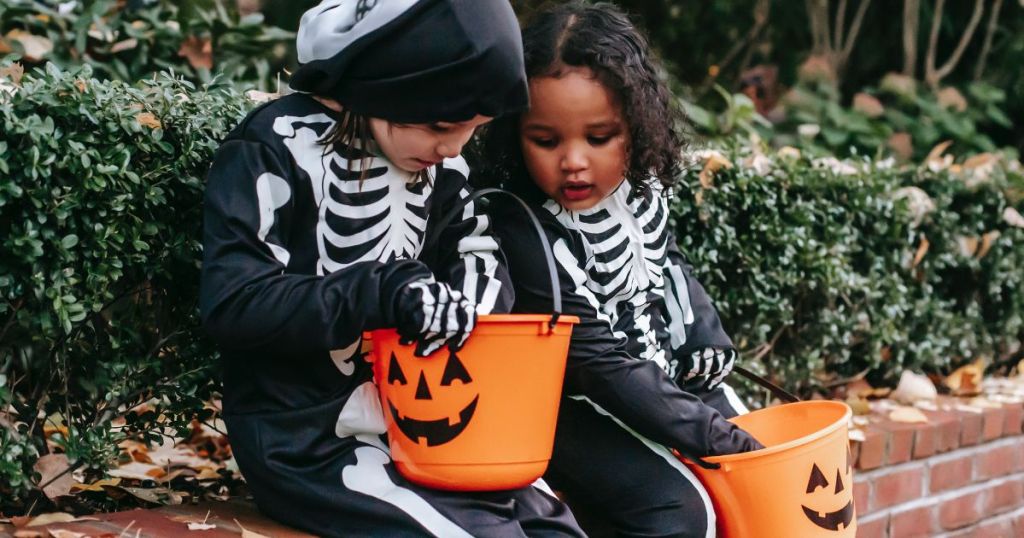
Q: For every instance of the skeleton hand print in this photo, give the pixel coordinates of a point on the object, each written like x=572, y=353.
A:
x=713, y=363
x=432, y=314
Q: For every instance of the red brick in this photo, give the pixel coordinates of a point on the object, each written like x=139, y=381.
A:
x=970, y=428
x=993, y=529
x=926, y=437
x=1013, y=415
x=992, y=423
x=861, y=496
x=898, y=487
x=996, y=462
x=951, y=474
x=947, y=426
x=901, y=441
x=1018, y=525
x=1004, y=497
x=872, y=448
x=874, y=528
x=911, y=523
x=960, y=511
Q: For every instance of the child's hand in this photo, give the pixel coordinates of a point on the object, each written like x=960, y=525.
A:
x=715, y=364
x=432, y=314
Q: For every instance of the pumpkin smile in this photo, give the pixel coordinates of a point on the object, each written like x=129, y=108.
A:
x=435, y=432
x=831, y=520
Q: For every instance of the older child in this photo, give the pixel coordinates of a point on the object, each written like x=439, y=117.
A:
x=316, y=210
x=599, y=126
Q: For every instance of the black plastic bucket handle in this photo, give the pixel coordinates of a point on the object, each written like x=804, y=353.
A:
x=556, y=289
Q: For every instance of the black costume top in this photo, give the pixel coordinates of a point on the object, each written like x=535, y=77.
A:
x=301, y=255
x=640, y=311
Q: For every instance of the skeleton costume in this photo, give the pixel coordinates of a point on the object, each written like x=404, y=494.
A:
x=645, y=324
x=307, y=246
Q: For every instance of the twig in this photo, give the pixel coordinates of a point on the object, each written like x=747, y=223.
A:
x=770, y=345
x=911, y=19
x=986, y=47
x=124, y=530
x=932, y=75
x=851, y=38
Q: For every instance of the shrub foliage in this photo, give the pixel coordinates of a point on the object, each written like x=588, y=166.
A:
x=100, y=209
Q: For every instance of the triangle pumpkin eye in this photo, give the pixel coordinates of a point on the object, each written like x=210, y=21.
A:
x=395, y=373
x=817, y=479
x=454, y=369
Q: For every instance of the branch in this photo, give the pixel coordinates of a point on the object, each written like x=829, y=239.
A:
x=933, y=41
x=911, y=18
x=837, y=44
x=950, y=64
x=858, y=19
x=761, y=10
x=986, y=48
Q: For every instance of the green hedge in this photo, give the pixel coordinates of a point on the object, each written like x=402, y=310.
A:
x=100, y=209
x=820, y=273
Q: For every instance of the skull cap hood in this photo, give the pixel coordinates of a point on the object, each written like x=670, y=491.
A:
x=414, y=61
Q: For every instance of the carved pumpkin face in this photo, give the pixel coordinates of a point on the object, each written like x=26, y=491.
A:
x=829, y=504
x=433, y=422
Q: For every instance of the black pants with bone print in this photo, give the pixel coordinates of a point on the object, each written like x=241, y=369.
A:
x=632, y=487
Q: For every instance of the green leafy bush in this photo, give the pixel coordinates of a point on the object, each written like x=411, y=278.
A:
x=824, y=269
x=100, y=209
x=198, y=39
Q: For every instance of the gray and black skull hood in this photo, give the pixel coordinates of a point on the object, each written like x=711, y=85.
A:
x=414, y=61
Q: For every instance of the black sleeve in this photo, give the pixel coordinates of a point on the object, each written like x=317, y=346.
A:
x=247, y=297
x=636, y=391
x=469, y=257
x=692, y=320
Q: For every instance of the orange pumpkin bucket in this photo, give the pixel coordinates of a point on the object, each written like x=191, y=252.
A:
x=800, y=484
x=481, y=418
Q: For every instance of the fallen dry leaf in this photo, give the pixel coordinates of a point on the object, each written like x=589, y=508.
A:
x=246, y=533
x=859, y=406
x=121, y=46
x=36, y=47
x=967, y=245
x=194, y=526
x=96, y=486
x=55, y=517
x=138, y=471
x=13, y=72
x=966, y=380
x=715, y=161
x=907, y=414
x=1013, y=217
x=914, y=387
x=148, y=119
x=53, y=471
x=198, y=51
x=986, y=243
x=61, y=533
x=922, y=249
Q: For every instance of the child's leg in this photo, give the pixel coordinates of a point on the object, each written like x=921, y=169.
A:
x=636, y=484
x=302, y=474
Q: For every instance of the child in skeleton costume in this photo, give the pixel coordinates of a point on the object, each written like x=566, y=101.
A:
x=316, y=210
x=599, y=114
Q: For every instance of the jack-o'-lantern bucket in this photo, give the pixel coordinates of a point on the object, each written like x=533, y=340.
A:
x=483, y=417
x=800, y=484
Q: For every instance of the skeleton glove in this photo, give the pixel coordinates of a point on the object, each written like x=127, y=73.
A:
x=432, y=314
x=714, y=364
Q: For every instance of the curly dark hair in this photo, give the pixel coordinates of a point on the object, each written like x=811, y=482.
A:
x=599, y=37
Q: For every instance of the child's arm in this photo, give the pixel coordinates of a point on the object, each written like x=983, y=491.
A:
x=635, y=391
x=704, y=351
x=467, y=254
x=248, y=299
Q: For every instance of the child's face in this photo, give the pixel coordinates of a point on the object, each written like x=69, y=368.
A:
x=414, y=147
x=575, y=142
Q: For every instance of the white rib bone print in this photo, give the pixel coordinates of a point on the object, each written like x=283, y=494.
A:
x=382, y=217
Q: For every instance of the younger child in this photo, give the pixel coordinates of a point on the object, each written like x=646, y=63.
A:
x=315, y=215
x=600, y=124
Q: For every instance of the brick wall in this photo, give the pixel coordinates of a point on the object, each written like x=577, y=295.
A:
x=959, y=475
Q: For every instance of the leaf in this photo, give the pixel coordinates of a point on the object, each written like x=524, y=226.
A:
x=914, y=387
x=713, y=162
x=246, y=533
x=96, y=486
x=36, y=47
x=62, y=533
x=907, y=414
x=121, y=46
x=54, y=467
x=922, y=249
x=198, y=51
x=148, y=119
x=55, y=517
x=966, y=380
x=1013, y=217
x=13, y=72
x=986, y=243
